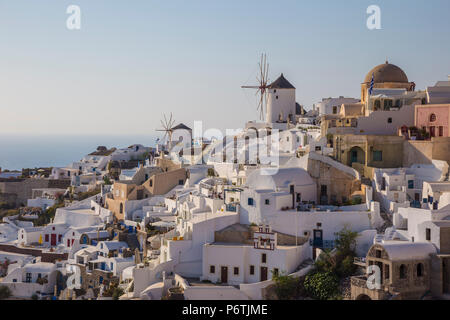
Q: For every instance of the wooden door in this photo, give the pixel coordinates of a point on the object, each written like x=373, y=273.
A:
x=53, y=239
x=224, y=274
x=263, y=274
x=446, y=275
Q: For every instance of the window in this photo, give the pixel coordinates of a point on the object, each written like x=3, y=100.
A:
x=252, y=270
x=402, y=271
x=378, y=253
x=410, y=184
x=387, y=104
x=263, y=258
x=180, y=182
x=46, y=238
x=287, y=139
x=441, y=131
x=386, y=271
x=275, y=271
x=419, y=270
x=111, y=266
x=212, y=269
x=334, y=109
x=389, y=120
x=377, y=104
x=432, y=117
x=323, y=190
x=428, y=234
x=236, y=271
x=276, y=97
x=151, y=183
x=28, y=277
x=377, y=156
x=250, y=201
x=267, y=201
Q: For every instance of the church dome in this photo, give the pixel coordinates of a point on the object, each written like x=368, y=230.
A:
x=386, y=72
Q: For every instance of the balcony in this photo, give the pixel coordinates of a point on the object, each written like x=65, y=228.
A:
x=360, y=261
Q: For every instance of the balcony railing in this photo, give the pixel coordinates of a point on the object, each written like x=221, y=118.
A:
x=360, y=261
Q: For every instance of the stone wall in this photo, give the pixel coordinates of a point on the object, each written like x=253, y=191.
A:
x=22, y=188
x=45, y=256
x=340, y=185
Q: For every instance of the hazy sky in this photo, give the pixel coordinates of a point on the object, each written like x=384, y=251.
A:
x=133, y=60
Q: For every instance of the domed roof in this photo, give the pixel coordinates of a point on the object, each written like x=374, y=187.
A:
x=386, y=72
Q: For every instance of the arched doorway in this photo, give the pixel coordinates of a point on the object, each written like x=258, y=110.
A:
x=363, y=297
x=356, y=154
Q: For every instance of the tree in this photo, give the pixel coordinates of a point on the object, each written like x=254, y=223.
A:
x=107, y=180
x=346, y=242
x=345, y=252
x=5, y=292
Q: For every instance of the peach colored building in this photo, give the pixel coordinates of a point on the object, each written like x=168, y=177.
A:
x=157, y=184
x=434, y=118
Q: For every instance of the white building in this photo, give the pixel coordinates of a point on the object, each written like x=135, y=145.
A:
x=237, y=263
x=333, y=105
x=281, y=105
x=265, y=194
x=436, y=195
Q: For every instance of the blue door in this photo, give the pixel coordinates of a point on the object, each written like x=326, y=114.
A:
x=318, y=238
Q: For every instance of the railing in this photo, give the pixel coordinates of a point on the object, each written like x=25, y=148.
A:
x=359, y=281
x=324, y=244
x=415, y=204
x=361, y=261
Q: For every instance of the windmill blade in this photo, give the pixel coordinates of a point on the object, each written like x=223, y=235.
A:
x=170, y=121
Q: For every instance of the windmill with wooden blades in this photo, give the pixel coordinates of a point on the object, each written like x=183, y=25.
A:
x=261, y=88
x=167, y=125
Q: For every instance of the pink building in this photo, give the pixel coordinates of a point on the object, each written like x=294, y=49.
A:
x=434, y=118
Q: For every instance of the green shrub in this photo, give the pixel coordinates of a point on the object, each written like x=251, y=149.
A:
x=107, y=180
x=321, y=285
x=34, y=296
x=117, y=293
x=5, y=292
x=286, y=287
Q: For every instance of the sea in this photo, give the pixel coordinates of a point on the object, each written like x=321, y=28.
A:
x=31, y=151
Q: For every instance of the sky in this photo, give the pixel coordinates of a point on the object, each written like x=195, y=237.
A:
x=132, y=61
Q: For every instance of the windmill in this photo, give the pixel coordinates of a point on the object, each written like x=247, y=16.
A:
x=262, y=85
x=167, y=125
